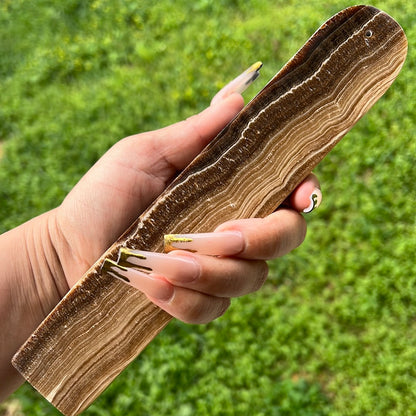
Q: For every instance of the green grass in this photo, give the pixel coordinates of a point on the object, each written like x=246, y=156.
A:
x=333, y=332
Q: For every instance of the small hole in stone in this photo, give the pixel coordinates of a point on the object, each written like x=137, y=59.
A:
x=369, y=33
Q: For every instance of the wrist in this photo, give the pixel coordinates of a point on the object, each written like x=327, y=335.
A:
x=32, y=282
x=44, y=255
x=37, y=264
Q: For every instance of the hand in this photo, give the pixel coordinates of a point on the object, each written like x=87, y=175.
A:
x=239, y=266
x=128, y=178
x=58, y=247
x=196, y=280
x=131, y=175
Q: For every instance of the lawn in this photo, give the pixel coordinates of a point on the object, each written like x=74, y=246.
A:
x=333, y=332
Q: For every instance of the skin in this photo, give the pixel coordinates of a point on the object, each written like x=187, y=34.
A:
x=55, y=249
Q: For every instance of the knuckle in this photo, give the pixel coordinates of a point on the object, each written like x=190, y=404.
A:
x=225, y=304
x=276, y=249
x=260, y=275
x=192, y=315
x=299, y=233
x=204, y=312
x=290, y=237
x=303, y=230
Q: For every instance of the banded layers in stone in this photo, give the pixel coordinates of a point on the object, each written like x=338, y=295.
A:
x=102, y=324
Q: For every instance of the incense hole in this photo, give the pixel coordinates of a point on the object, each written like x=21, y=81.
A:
x=369, y=33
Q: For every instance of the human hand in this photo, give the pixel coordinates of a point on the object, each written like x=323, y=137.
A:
x=131, y=175
x=202, y=272
x=58, y=247
x=122, y=184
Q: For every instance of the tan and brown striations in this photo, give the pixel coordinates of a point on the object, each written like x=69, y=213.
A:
x=247, y=171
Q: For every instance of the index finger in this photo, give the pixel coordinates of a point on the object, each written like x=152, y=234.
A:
x=254, y=238
x=269, y=237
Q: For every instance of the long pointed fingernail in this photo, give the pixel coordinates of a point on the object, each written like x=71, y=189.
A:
x=244, y=80
x=239, y=84
x=170, y=267
x=315, y=200
x=214, y=244
x=148, y=283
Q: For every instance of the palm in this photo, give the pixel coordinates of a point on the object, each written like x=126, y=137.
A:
x=127, y=179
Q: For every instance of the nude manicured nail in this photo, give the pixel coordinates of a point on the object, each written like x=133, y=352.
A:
x=240, y=83
x=245, y=79
x=171, y=267
x=214, y=244
x=145, y=282
x=315, y=200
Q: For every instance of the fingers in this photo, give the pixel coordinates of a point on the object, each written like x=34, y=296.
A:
x=193, y=288
x=307, y=196
x=270, y=237
x=193, y=134
x=185, y=304
x=223, y=276
x=193, y=307
x=253, y=238
x=196, y=287
x=196, y=280
x=217, y=276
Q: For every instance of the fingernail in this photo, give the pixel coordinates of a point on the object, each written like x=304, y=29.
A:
x=244, y=80
x=214, y=244
x=239, y=84
x=315, y=200
x=148, y=283
x=172, y=267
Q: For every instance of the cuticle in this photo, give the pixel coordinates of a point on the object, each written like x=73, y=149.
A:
x=171, y=296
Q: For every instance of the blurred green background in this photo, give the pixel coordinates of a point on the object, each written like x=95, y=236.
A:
x=333, y=330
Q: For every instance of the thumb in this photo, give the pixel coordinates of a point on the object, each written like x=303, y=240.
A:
x=183, y=141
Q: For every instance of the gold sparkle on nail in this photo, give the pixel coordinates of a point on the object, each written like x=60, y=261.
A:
x=124, y=253
x=111, y=267
x=171, y=239
x=255, y=67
